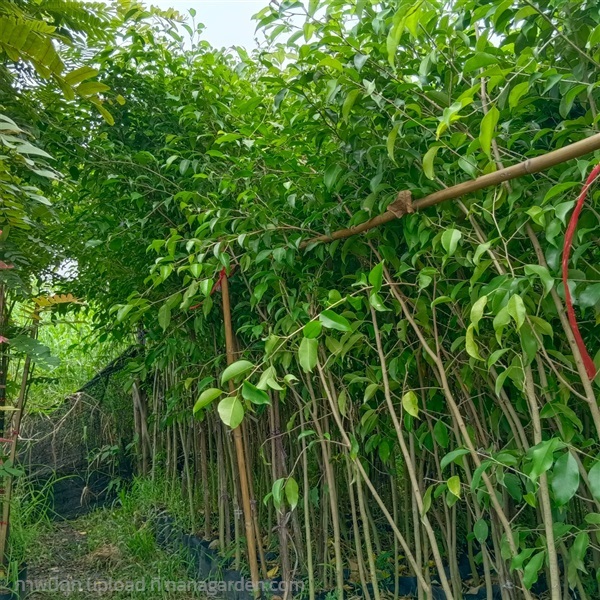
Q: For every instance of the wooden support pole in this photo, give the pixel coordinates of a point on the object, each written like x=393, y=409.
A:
x=13, y=438
x=528, y=167
x=239, y=445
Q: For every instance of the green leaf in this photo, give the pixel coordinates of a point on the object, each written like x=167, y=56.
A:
x=206, y=286
x=391, y=141
x=277, y=492
x=39, y=353
x=516, y=309
x=517, y=93
x=592, y=518
x=236, y=369
x=164, y=316
x=332, y=63
x=440, y=433
x=577, y=556
x=513, y=484
x=567, y=101
x=481, y=249
x=495, y=356
x=410, y=403
x=450, y=239
x=90, y=88
x=594, y=477
x=529, y=343
x=370, y=391
x=471, y=344
x=342, y=402
x=307, y=354
x=541, y=327
x=501, y=320
x=376, y=278
x=268, y=379
x=559, y=189
x=227, y=137
x=253, y=394
x=542, y=457
x=562, y=210
x=331, y=176
x=544, y=275
x=532, y=569
x=538, y=215
x=377, y=303
x=488, y=127
x=81, y=74
x=555, y=408
x=452, y=456
x=481, y=530
x=477, y=312
x=312, y=329
x=231, y=411
x=360, y=60
x=590, y=296
x=349, y=103
x=394, y=35
x=519, y=560
x=428, y=161
x=454, y=485
x=206, y=397
x=332, y=320
x=291, y=492
x=441, y=300
x=479, y=60
x=427, y=500
x=594, y=37
x=565, y=478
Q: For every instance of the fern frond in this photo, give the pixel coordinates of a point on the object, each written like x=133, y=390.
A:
x=91, y=19
x=30, y=40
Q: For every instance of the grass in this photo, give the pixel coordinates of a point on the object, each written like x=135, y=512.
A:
x=110, y=553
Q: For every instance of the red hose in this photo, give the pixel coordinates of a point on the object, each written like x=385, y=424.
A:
x=587, y=359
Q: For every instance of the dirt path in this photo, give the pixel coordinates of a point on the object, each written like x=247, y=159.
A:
x=69, y=568
x=103, y=555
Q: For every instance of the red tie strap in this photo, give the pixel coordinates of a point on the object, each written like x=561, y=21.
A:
x=216, y=287
x=587, y=359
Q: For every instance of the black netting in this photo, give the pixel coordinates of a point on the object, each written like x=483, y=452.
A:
x=84, y=444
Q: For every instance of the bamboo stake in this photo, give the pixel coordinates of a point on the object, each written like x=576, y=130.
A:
x=3, y=355
x=527, y=167
x=239, y=445
x=306, y=506
x=13, y=435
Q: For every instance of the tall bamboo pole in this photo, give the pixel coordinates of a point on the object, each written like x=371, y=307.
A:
x=403, y=204
x=239, y=444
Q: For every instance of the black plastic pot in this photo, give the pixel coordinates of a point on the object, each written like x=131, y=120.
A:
x=204, y=560
x=236, y=589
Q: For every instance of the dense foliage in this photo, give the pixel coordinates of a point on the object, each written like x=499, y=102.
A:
x=420, y=384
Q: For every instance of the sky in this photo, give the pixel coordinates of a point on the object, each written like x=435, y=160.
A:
x=228, y=22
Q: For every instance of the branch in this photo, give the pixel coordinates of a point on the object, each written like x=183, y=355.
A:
x=528, y=167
